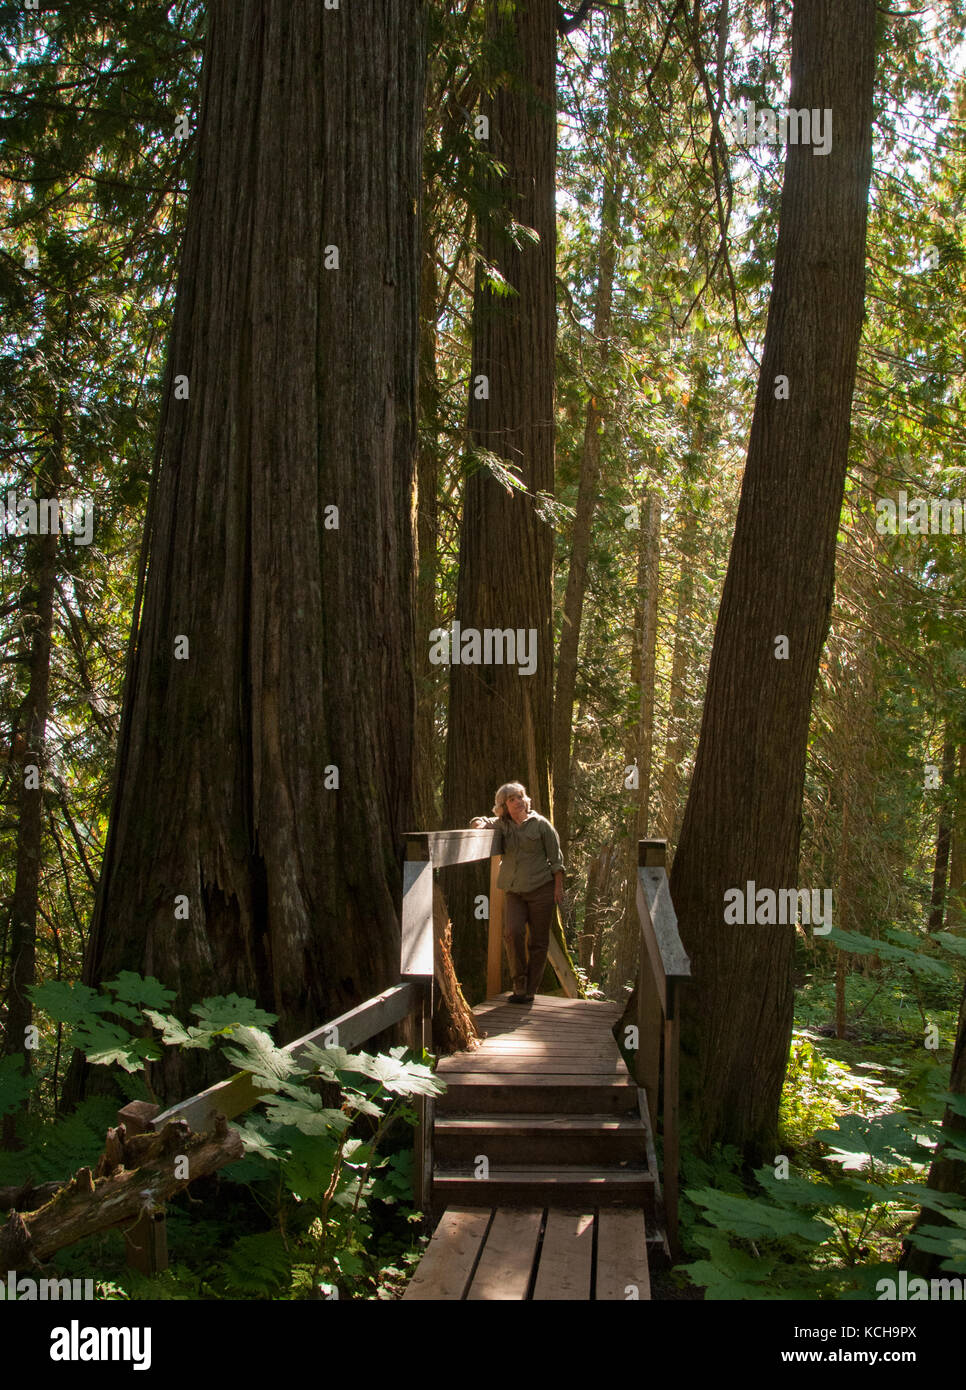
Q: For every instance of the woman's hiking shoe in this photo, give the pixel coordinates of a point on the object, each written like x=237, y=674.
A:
x=518, y=998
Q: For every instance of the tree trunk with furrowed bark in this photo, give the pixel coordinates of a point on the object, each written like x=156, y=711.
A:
x=500, y=720
x=264, y=772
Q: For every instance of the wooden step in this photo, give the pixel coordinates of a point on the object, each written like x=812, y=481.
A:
x=563, y=1185
x=516, y=1140
x=557, y=1094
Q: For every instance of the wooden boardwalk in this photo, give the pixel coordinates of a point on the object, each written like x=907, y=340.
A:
x=544, y=1166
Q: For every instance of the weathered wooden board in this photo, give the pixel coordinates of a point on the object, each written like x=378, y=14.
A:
x=453, y=846
x=239, y=1092
x=416, y=946
x=449, y=1259
x=622, y=1272
x=566, y=1256
x=504, y=1270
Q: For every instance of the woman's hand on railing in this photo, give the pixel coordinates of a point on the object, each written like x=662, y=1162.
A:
x=478, y=823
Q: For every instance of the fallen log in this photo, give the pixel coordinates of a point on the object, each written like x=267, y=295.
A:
x=134, y=1177
x=26, y=1197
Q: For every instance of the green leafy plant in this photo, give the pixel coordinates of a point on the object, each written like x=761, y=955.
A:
x=828, y=1236
x=313, y=1144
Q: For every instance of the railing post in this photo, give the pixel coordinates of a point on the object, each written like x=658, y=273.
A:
x=652, y=854
x=146, y=1242
x=647, y=1063
x=418, y=965
x=672, y=1038
x=494, y=944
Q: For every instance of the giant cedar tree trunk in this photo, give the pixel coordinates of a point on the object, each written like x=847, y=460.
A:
x=302, y=384
x=500, y=721
x=742, y=816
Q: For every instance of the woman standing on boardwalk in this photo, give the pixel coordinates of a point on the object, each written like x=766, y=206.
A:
x=531, y=875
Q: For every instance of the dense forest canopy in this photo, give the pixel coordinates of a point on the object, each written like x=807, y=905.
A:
x=635, y=327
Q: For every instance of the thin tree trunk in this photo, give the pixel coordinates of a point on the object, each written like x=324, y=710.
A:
x=587, y=494
x=956, y=903
x=944, y=832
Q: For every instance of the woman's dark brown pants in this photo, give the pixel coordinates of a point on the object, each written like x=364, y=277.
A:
x=527, y=968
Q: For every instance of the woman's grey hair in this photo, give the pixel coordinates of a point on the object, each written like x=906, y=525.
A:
x=508, y=788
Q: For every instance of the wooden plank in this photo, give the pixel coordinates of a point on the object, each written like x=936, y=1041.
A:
x=518, y=1025
x=416, y=946
x=578, y=1185
x=647, y=1062
x=550, y=1048
x=622, y=1272
x=626, y=1176
x=566, y=1256
x=670, y=1117
x=525, y=1067
x=449, y=1260
x=444, y=847
x=521, y=1027
x=561, y=1004
x=534, y=1014
x=669, y=960
x=552, y=1124
x=533, y=1056
x=535, y=1044
x=622, y=1081
x=504, y=1270
x=239, y=1092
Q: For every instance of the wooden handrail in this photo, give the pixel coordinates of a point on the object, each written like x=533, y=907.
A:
x=443, y=847
x=239, y=1093
x=662, y=969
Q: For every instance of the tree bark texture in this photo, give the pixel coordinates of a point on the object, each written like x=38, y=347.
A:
x=742, y=820
x=499, y=720
x=295, y=337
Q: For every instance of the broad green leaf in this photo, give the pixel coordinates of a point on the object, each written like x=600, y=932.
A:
x=757, y=1220
x=255, y=1052
x=69, y=1003
x=224, y=1011
x=257, y=1142
x=309, y=1119
x=135, y=989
